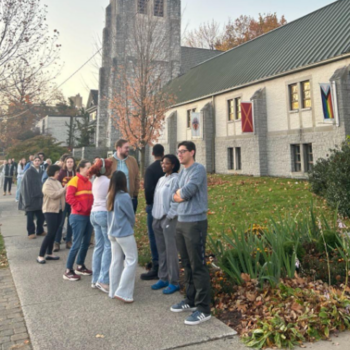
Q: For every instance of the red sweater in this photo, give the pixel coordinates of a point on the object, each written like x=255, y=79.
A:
x=79, y=195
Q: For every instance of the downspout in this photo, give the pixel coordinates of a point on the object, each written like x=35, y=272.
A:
x=213, y=157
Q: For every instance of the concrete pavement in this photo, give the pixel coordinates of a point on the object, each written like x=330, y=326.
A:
x=63, y=315
x=70, y=315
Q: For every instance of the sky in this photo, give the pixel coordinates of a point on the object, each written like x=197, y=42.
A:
x=81, y=22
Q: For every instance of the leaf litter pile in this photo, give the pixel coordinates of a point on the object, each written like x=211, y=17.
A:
x=296, y=311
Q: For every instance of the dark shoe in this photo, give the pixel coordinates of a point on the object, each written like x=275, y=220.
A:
x=150, y=275
x=52, y=258
x=83, y=271
x=40, y=261
x=42, y=234
x=56, y=247
x=196, y=318
x=69, y=275
x=182, y=306
x=68, y=245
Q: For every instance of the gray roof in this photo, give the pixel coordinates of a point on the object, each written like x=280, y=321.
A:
x=192, y=56
x=314, y=38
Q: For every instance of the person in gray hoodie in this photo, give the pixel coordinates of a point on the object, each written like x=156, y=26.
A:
x=121, y=221
x=191, y=234
x=164, y=215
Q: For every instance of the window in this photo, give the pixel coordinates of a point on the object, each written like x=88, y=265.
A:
x=238, y=158
x=189, y=117
x=142, y=6
x=230, y=159
x=306, y=94
x=159, y=8
x=231, y=110
x=309, y=158
x=294, y=97
x=296, y=158
x=238, y=113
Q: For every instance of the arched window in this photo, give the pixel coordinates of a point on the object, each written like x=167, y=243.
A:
x=142, y=6
x=159, y=8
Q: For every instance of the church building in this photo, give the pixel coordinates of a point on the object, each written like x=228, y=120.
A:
x=269, y=107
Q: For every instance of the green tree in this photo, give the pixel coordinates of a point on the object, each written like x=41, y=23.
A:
x=84, y=132
x=42, y=143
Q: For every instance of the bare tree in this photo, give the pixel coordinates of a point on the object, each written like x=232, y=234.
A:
x=29, y=55
x=206, y=36
x=140, y=104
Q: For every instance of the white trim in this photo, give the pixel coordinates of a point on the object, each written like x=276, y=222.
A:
x=335, y=103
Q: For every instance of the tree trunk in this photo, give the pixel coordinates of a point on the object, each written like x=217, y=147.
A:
x=142, y=161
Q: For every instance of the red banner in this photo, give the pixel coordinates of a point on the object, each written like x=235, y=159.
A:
x=247, y=117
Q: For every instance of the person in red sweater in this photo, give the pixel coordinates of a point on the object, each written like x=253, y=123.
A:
x=79, y=196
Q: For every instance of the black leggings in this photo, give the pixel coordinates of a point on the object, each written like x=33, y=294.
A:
x=7, y=181
x=53, y=220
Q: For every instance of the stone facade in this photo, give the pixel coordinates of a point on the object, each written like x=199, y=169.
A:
x=268, y=151
x=118, y=50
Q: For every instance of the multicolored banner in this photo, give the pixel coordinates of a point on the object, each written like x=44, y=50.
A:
x=247, y=117
x=195, y=124
x=327, y=103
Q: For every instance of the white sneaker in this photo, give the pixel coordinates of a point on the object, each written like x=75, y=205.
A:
x=102, y=287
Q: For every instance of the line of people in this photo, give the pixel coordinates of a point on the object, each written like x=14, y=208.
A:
x=103, y=197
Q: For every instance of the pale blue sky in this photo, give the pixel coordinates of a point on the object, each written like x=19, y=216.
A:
x=80, y=23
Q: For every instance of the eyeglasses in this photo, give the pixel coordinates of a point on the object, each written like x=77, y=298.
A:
x=182, y=151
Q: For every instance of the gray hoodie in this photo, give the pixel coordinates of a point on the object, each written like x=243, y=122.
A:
x=194, y=190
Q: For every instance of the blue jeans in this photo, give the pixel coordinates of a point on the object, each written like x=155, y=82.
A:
x=66, y=212
x=151, y=236
x=19, y=180
x=101, y=258
x=82, y=231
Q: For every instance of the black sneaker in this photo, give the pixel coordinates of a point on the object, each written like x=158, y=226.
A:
x=196, y=318
x=152, y=274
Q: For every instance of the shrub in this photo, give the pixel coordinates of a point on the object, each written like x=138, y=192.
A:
x=330, y=178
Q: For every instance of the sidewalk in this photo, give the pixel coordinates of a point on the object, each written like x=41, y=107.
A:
x=69, y=315
x=62, y=315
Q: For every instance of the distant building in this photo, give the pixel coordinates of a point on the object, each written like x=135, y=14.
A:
x=77, y=101
x=91, y=108
x=56, y=126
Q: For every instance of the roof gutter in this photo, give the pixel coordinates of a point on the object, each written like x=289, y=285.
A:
x=314, y=65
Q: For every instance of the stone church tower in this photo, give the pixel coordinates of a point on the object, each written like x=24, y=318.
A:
x=117, y=35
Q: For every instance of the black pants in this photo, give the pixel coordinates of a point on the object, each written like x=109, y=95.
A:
x=7, y=183
x=190, y=241
x=39, y=222
x=53, y=220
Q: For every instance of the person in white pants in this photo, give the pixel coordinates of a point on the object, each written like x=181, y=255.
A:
x=121, y=221
x=2, y=173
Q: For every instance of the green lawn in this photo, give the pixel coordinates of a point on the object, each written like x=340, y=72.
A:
x=239, y=202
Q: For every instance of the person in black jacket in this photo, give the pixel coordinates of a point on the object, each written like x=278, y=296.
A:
x=9, y=172
x=31, y=199
x=153, y=173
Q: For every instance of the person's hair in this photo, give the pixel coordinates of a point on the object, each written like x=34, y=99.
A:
x=118, y=183
x=64, y=157
x=48, y=160
x=41, y=154
x=82, y=164
x=64, y=166
x=37, y=156
x=158, y=150
x=120, y=143
x=51, y=170
x=190, y=146
x=174, y=161
x=22, y=163
x=95, y=168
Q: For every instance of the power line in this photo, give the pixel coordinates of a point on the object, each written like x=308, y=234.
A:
x=70, y=77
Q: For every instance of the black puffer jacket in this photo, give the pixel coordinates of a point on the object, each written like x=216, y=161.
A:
x=9, y=170
x=31, y=198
